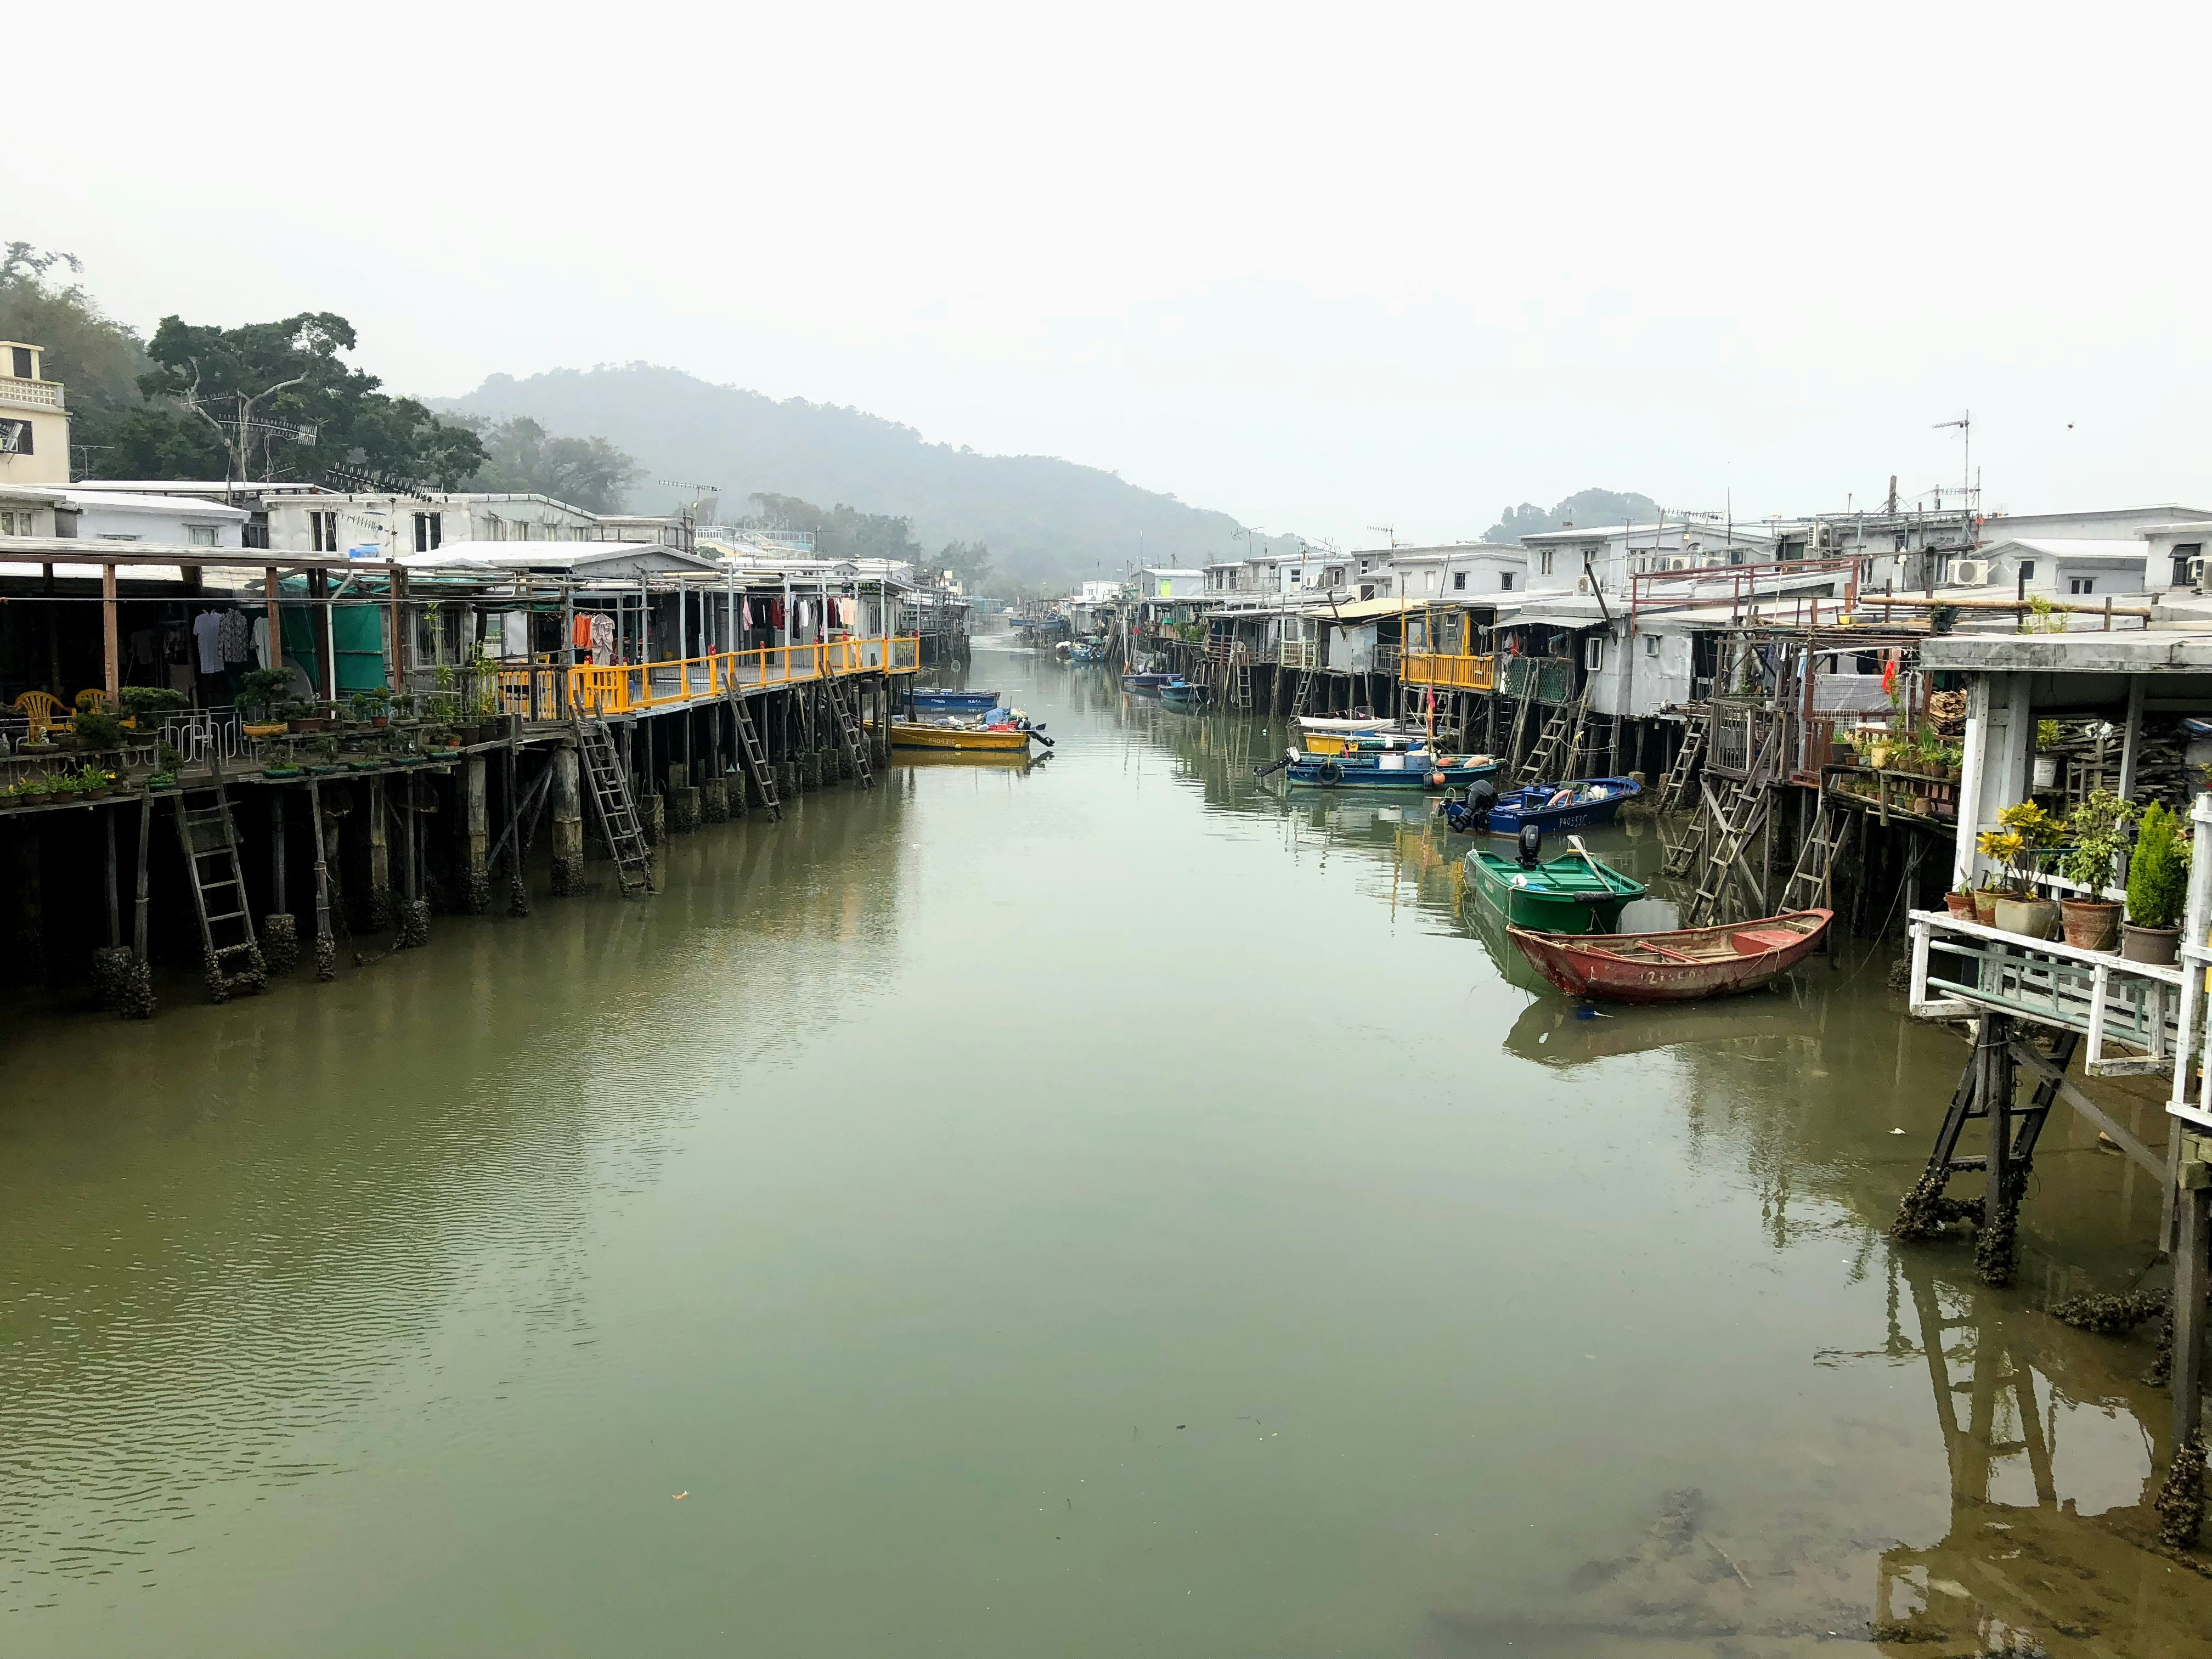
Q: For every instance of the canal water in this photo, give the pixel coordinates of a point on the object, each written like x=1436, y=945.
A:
x=1105, y=1208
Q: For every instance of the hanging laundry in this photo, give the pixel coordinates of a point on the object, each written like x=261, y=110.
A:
x=236, y=635
x=514, y=634
x=207, y=633
x=603, y=640
x=581, y=632
x=776, y=613
x=261, y=643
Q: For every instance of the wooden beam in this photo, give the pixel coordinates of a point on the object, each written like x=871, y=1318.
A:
x=111, y=655
x=269, y=591
x=2025, y=1057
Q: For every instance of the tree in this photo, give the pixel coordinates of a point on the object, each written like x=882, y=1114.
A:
x=263, y=390
x=520, y=455
x=1586, y=507
x=99, y=359
x=840, y=532
x=968, y=562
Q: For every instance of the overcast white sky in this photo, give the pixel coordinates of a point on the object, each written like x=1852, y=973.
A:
x=1322, y=267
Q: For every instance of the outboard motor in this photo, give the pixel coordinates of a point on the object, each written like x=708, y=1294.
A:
x=1532, y=843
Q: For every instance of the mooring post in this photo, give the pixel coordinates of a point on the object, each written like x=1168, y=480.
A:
x=472, y=836
x=280, y=934
x=2193, y=1177
x=326, y=947
x=568, y=824
x=377, y=911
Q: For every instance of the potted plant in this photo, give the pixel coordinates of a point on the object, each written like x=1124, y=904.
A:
x=141, y=701
x=1960, y=901
x=373, y=706
x=258, y=688
x=2099, y=827
x=2158, y=887
x=98, y=729
x=2024, y=831
x=2046, y=762
x=300, y=717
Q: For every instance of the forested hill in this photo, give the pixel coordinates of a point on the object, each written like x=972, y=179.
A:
x=1043, y=519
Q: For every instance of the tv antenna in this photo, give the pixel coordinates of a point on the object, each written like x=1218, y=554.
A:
x=1964, y=425
x=1390, y=531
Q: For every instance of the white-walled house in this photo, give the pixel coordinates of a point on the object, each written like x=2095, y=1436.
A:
x=91, y=513
x=1166, y=582
x=1564, y=560
x=2067, y=568
x=379, y=526
x=1459, y=572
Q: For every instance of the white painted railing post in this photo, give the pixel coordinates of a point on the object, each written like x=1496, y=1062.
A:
x=2194, y=918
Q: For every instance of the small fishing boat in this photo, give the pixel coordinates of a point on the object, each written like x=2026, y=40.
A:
x=1392, y=768
x=1087, y=651
x=954, y=703
x=975, y=739
x=1573, y=894
x=1145, y=685
x=1686, y=964
x=1333, y=737
x=1560, y=806
x=1182, y=694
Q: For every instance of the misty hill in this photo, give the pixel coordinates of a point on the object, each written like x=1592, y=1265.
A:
x=1041, y=518
x=1584, y=506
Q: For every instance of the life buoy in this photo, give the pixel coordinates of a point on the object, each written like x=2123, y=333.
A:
x=1329, y=772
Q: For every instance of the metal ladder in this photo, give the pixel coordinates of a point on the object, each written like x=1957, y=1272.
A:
x=227, y=947
x=1303, y=700
x=618, y=811
x=755, y=757
x=1675, y=788
x=849, y=733
x=1808, y=882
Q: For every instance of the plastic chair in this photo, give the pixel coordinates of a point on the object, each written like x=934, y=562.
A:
x=42, y=710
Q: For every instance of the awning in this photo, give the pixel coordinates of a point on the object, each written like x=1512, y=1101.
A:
x=1368, y=610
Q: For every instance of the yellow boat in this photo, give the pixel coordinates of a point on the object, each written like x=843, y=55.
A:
x=909, y=734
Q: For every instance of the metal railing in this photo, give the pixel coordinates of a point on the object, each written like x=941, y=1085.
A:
x=1555, y=677
x=1444, y=668
x=554, y=693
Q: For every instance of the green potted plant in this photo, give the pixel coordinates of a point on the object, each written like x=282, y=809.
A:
x=2098, y=827
x=139, y=701
x=2024, y=832
x=1959, y=902
x=99, y=729
x=373, y=706
x=300, y=718
x=2046, y=762
x=258, y=688
x=2158, y=887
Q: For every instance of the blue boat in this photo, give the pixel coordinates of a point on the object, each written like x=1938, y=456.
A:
x=1414, y=768
x=1182, y=694
x=1557, y=807
x=1146, y=685
x=955, y=702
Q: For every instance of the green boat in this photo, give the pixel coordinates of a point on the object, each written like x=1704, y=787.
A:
x=1559, y=896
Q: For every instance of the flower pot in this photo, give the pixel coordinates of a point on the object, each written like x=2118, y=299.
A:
x=2031, y=918
x=2155, y=947
x=379, y=722
x=101, y=794
x=311, y=723
x=2092, y=924
x=1840, y=754
x=2047, y=771
x=1985, y=906
x=1961, y=905
x=1878, y=756
x=34, y=797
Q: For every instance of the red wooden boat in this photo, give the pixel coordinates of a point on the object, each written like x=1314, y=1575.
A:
x=1685, y=965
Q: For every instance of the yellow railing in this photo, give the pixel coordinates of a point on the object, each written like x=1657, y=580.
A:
x=1446, y=669
x=536, y=693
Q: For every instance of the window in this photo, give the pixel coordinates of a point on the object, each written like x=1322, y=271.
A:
x=1650, y=645
x=1505, y=581
x=200, y=535
x=8, y=524
x=2027, y=570
x=1593, y=653
x=429, y=532
x=323, y=531
x=2185, y=555
x=15, y=438
x=1459, y=582
x=1333, y=577
x=2081, y=585
x=1432, y=581
x=1544, y=563
x=23, y=368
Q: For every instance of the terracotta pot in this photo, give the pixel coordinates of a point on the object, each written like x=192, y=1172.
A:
x=1961, y=905
x=1985, y=906
x=2031, y=918
x=2156, y=947
x=2092, y=924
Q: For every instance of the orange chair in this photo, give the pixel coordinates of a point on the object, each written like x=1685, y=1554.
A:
x=42, y=710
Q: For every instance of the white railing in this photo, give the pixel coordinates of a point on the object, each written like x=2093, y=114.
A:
x=39, y=394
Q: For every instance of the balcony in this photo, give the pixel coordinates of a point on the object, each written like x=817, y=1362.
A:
x=1447, y=670
x=30, y=394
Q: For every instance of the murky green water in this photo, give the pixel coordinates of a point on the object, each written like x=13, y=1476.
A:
x=1100, y=1209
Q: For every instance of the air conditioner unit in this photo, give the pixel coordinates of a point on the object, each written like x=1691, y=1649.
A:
x=1680, y=562
x=2196, y=574
x=1582, y=584
x=1970, y=573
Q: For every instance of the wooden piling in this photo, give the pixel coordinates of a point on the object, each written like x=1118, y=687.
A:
x=472, y=837
x=568, y=824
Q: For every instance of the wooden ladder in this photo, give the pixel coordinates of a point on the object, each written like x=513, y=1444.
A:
x=1808, y=882
x=209, y=839
x=849, y=733
x=1555, y=748
x=611, y=794
x=1675, y=788
x=1243, y=699
x=1734, y=819
x=755, y=757
x=1304, y=701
